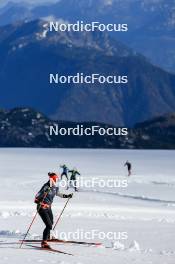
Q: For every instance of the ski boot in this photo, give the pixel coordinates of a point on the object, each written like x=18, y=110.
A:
x=44, y=244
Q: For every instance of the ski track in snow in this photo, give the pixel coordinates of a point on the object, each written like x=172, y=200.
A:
x=149, y=199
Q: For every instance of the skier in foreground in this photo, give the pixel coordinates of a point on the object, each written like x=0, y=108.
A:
x=44, y=200
x=129, y=166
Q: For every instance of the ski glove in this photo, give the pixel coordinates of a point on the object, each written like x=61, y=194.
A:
x=68, y=196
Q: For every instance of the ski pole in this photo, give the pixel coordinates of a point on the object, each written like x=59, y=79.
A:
x=33, y=220
x=61, y=214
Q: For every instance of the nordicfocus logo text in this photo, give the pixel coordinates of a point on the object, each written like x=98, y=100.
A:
x=81, y=78
x=94, y=234
x=80, y=130
x=80, y=26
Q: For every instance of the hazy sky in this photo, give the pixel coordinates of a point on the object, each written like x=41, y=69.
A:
x=3, y=2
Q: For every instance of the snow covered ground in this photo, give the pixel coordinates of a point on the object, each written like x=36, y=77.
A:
x=139, y=217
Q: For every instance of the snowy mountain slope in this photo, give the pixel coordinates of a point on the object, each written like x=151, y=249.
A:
x=151, y=23
x=28, y=57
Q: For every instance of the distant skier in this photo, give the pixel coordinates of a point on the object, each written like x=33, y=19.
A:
x=44, y=200
x=129, y=167
x=73, y=178
x=65, y=171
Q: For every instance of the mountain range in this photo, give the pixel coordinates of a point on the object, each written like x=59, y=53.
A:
x=151, y=23
x=29, y=53
x=24, y=127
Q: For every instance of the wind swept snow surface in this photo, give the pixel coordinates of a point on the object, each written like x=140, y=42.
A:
x=135, y=223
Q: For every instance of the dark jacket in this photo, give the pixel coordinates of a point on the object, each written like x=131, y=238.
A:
x=65, y=169
x=73, y=174
x=47, y=194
